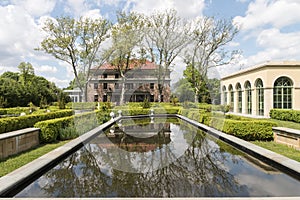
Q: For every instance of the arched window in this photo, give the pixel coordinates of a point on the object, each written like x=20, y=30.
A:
x=239, y=91
x=248, y=97
x=260, y=96
x=282, y=93
x=231, y=93
x=225, y=95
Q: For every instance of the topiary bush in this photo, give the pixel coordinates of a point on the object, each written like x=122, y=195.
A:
x=16, y=123
x=285, y=115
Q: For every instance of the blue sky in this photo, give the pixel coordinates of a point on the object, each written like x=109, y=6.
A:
x=270, y=29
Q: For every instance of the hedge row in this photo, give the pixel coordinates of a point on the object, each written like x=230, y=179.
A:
x=146, y=111
x=14, y=111
x=285, y=115
x=16, y=123
x=56, y=129
x=244, y=128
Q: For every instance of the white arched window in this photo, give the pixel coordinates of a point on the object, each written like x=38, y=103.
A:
x=248, y=97
x=282, y=93
x=260, y=96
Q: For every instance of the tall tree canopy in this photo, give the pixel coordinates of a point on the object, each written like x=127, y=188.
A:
x=207, y=41
x=76, y=42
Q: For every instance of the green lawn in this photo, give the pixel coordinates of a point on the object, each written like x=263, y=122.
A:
x=286, y=124
x=280, y=149
x=14, y=162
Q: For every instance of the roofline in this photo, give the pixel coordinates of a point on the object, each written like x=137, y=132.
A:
x=263, y=65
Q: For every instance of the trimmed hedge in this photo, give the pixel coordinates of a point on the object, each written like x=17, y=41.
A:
x=16, y=123
x=145, y=111
x=15, y=110
x=54, y=129
x=285, y=115
x=244, y=128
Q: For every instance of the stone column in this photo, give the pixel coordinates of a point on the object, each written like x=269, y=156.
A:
x=268, y=101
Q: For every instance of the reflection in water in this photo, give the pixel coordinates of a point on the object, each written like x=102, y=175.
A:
x=173, y=159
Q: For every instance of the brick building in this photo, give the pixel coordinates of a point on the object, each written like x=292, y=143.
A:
x=141, y=83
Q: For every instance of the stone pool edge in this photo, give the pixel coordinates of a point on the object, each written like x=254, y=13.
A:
x=276, y=160
x=15, y=178
x=20, y=176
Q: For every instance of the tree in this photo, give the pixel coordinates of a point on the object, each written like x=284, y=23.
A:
x=76, y=42
x=127, y=35
x=208, y=37
x=184, y=91
x=166, y=36
x=26, y=72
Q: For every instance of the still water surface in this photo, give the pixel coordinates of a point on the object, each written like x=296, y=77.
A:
x=152, y=158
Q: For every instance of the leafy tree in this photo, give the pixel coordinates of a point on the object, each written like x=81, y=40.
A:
x=127, y=35
x=76, y=42
x=26, y=72
x=166, y=36
x=184, y=91
x=208, y=37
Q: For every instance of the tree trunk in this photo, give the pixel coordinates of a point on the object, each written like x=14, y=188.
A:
x=122, y=95
x=196, y=97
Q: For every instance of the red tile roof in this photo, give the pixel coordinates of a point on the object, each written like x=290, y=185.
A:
x=133, y=65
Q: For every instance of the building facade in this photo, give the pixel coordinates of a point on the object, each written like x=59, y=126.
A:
x=257, y=90
x=141, y=82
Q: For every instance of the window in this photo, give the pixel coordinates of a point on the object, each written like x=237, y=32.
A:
x=105, y=98
x=248, y=97
x=260, y=96
x=105, y=86
x=151, y=98
x=116, y=75
x=95, y=86
x=96, y=98
x=116, y=85
x=129, y=86
x=282, y=93
x=239, y=91
x=231, y=93
x=151, y=86
x=104, y=75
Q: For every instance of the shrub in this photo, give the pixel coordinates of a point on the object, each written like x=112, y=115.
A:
x=70, y=127
x=16, y=123
x=285, y=115
x=146, y=103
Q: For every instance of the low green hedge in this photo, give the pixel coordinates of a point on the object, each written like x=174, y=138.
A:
x=285, y=115
x=70, y=127
x=16, y=123
x=15, y=110
x=244, y=128
x=145, y=111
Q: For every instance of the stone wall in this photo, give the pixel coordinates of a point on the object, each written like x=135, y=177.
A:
x=17, y=141
x=287, y=136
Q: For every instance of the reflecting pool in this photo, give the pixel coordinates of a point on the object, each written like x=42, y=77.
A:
x=160, y=158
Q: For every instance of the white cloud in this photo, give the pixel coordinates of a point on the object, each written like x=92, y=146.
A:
x=19, y=35
x=45, y=69
x=36, y=8
x=186, y=9
x=62, y=83
x=270, y=12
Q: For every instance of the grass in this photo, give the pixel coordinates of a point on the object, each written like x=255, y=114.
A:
x=286, y=124
x=280, y=149
x=14, y=162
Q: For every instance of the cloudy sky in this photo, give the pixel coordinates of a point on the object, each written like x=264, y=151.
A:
x=270, y=29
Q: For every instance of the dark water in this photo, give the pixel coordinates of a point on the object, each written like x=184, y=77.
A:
x=139, y=158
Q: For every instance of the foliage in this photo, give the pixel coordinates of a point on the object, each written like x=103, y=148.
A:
x=43, y=103
x=76, y=42
x=207, y=39
x=285, y=115
x=19, y=89
x=183, y=90
x=16, y=123
x=70, y=127
x=146, y=103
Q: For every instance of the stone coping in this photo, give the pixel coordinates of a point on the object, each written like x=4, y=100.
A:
x=287, y=130
x=186, y=198
x=17, y=133
x=26, y=173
